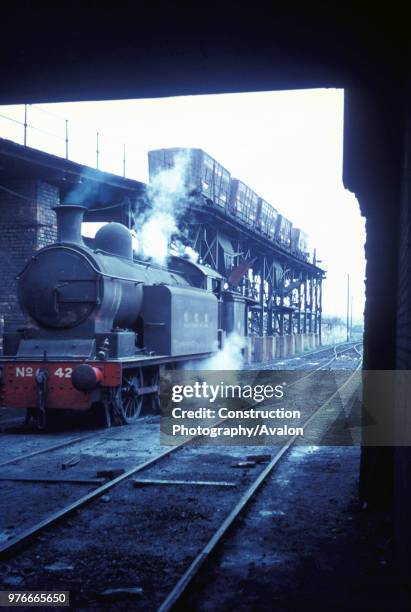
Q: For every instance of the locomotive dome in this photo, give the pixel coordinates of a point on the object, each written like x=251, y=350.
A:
x=114, y=238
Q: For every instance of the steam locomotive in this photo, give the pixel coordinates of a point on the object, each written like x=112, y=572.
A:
x=101, y=324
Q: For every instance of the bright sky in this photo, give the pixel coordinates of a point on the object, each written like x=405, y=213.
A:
x=287, y=146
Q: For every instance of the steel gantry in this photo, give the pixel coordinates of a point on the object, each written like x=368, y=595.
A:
x=284, y=291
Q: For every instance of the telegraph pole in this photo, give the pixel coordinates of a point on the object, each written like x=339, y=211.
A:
x=25, y=125
x=352, y=300
x=348, y=307
x=97, y=149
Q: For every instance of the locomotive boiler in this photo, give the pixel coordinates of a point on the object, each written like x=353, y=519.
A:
x=101, y=323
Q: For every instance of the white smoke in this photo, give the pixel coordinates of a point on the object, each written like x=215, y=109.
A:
x=169, y=198
x=228, y=358
x=154, y=237
x=179, y=249
x=192, y=255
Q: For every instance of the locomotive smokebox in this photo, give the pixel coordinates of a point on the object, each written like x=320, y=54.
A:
x=69, y=219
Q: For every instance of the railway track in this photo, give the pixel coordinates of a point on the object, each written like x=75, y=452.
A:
x=9, y=547
x=290, y=363
x=181, y=587
x=305, y=360
x=49, y=449
x=104, y=433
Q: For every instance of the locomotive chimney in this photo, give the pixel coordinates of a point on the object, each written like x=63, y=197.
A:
x=69, y=218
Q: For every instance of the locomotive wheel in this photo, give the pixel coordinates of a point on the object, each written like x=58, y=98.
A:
x=127, y=401
x=107, y=417
x=155, y=397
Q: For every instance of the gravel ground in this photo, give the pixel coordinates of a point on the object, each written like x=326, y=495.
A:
x=139, y=538
x=305, y=544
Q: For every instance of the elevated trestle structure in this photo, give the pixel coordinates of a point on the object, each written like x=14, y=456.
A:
x=283, y=291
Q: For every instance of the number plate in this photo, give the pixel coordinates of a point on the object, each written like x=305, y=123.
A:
x=30, y=371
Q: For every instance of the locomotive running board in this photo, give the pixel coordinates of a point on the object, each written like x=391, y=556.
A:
x=129, y=362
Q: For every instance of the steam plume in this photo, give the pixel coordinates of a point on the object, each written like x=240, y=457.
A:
x=168, y=195
x=181, y=250
x=228, y=358
x=89, y=189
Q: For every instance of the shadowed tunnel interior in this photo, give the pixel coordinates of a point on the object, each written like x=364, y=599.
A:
x=101, y=51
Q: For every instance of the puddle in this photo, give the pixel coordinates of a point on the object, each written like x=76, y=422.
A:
x=271, y=513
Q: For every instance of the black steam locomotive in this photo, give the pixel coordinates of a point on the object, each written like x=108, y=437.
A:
x=101, y=324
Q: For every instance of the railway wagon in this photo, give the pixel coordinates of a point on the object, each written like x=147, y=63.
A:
x=299, y=242
x=100, y=324
x=203, y=174
x=243, y=203
x=200, y=171
x=283, y=232
x=267, y=219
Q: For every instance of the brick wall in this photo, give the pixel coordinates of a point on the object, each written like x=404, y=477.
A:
x=27, y=223
x=47, y=197
x=402, y=486
x=404, y=268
